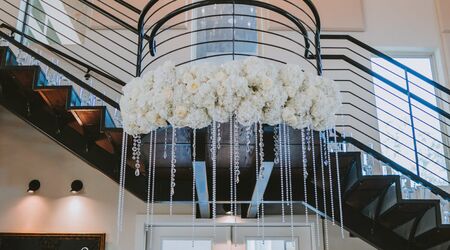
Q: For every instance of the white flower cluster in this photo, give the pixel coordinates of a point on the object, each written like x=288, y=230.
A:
x=252, y=89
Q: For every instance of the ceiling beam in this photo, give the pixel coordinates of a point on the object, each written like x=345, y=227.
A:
x=260, y=189
x=201, y=183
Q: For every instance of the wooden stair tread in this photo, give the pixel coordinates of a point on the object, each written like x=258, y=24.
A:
x=57, y=97
x=404, y=211
x=367, y=189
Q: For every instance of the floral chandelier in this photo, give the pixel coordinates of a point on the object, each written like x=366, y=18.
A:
x=249, y=93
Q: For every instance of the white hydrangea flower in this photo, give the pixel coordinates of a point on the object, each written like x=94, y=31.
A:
x=253, y=89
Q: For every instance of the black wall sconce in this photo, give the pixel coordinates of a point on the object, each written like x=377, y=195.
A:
x=33, y=186
x=76, y=186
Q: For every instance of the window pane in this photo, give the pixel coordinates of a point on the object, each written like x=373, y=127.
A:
x=186, y=244
x=395, y=124
x=224, y=34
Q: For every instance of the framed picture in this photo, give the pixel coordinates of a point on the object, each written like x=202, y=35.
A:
x=19, y=241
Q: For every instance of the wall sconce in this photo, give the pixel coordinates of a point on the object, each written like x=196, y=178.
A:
x=33, y=186
x=76, y=186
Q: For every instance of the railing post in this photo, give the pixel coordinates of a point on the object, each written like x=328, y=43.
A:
x=413, y=129
x=25, y=20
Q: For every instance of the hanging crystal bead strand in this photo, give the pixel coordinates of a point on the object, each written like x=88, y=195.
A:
x=214, y=175
x=165, y=143
x=194, y=153
x=324, y=193
x=152, y=206
x=280, y=150
x=149, y=180
x=291, y=205
x=219, y=136
x=261, y=175
x=286, y=170
x=248, y=133
x=257, y=177
x=231, y=148
x=305, y=174
x=173, y=169
x=120, y=205
x=316, y=198
x=338, y=179
x=236, y=170
x=330, y=172
x=137, y=154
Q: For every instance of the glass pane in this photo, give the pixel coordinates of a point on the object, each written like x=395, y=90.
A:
x=186, y=244
x=269, y=244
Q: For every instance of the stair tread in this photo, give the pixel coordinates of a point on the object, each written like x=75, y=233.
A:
x=405, y=210
x=367, y=189
x=435, y=236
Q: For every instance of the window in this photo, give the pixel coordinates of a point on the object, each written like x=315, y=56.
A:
x=398, y=128
x=226, y=35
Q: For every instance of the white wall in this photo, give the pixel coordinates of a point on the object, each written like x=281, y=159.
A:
x=26, y=154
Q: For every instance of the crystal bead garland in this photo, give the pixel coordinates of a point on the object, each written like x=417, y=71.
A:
x=231, y=148
x=149, y=182
x=173, y=169
x=137, y=154
x=338, y=179
x=305, y=173
x=219, y=136
x=194, y=153
x=330, y=172
x=291, y=205
x=236, y=155
x=324, y=193
x=316, y=199
x=248, y=133
x=261, y=151
x=235, y=163
x=152, y=206
x=261, y=175
x=214, y=175
x=276, y=150
x=280, y=150
x=257, y=177
x=165, y=143
x=286, y=174
x=121, y=199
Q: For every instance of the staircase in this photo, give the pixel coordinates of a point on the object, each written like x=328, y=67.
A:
x=375, y=207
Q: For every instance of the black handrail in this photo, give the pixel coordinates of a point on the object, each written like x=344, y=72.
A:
x=110, y=16
x=128, y=6
x=62, y=54
x=387, y=58
x=59, y=69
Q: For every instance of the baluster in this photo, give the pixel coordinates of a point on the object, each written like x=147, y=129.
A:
x=416, y=155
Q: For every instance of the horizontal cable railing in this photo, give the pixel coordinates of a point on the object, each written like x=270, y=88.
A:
x=85, y=30
x=84, y=93
x=402, y=114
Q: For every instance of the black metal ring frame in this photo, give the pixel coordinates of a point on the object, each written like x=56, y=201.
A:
x=298, y=23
